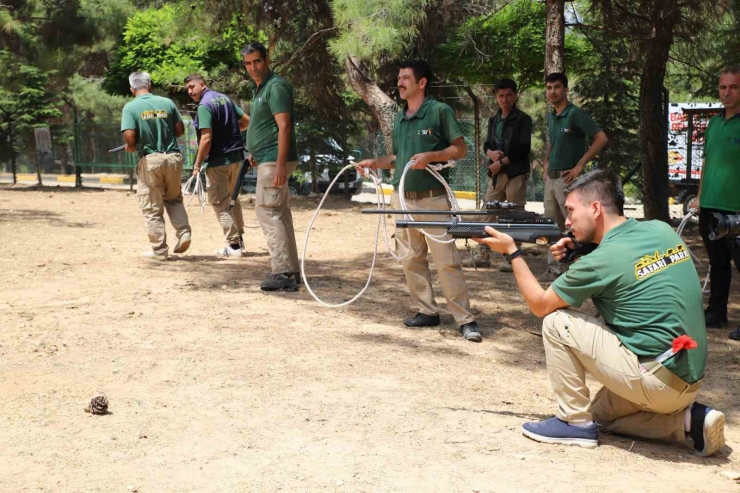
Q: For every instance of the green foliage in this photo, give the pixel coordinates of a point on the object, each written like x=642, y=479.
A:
x=171, y=42
x=371, y=29
x=93, y=102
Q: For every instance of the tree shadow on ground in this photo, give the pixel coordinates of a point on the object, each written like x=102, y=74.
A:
x=57, y=188
x=48, y=218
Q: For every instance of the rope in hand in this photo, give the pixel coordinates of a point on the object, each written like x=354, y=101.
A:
x=380, y=198
x=199, y=189
x=679, y=231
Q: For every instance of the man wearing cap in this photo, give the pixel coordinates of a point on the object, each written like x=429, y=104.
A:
x=150, y=125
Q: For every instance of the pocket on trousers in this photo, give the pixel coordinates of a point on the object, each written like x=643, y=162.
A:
x=272, y=197
x=144, y=197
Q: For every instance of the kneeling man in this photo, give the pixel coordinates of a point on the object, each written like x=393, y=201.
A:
x=644, y=285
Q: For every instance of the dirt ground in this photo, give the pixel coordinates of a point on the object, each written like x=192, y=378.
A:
x=215, y=386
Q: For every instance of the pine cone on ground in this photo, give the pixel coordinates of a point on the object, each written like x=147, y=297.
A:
x=98, y=405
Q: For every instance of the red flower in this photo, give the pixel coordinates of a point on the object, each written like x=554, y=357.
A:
x=683, y=342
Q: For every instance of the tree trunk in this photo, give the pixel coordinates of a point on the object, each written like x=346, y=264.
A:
x=12, y=152
x=653, y=146
x=381, y=105
x=314, y=175
x=554, y=36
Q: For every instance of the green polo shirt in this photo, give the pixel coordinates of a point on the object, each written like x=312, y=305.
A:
x=720, y=187
x=432, y=128
x=204, y=121
x=273, y=96
x=643, y=282
x=568, y=132
x=153, y=118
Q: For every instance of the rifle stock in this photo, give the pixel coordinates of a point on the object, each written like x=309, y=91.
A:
x=540, y=234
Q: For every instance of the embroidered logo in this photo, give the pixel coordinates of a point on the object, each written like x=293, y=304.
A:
x=650, y=264
x=425, y=131
x=151, y=114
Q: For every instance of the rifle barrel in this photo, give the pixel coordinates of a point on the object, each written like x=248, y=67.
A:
x=116, y=149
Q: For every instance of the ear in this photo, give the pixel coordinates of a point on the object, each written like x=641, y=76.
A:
x=423, y=82
x=596, y=209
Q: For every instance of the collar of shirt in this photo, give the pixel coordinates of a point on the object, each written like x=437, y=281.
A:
x=564, y=112
x=256, y=88
x=722, y=113
x=419, y=113
x=625, y=226
x=510, y=116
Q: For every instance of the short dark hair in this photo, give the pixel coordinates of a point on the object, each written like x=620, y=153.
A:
x=504, y=84
x=421, y=69
x=557, y=77
x=193, y=77
x=734, y=70
x=254, y=47
x=601, y=185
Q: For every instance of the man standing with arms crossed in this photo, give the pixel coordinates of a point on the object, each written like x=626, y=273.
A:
x=567, y=128
x=425, y=131
x=507, y=149
x=150, y=125
x=719, y=191
x=271, y=141
x=219, y=124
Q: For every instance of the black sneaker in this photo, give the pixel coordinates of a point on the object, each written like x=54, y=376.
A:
x=554, y=430
x=279, y=282
x=707, y=429
x=715, y=321
x=297, y=276
x=735, y=334
x=422, y=320
x=470, y=332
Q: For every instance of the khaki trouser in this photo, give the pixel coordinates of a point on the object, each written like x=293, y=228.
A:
x=555, y=210
x=446, y=258
x=629, y=403
x=158, y=187
x=506, y=190
x=273, y=214
x=220, y=182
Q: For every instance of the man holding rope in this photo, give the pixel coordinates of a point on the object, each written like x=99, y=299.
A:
x=425, y=131
x=219, y=124
x=649, y=347
x=150, y=125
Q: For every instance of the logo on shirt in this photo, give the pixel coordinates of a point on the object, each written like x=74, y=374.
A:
x=425, y=131
x=650, y=264
x=565, y=130
x=152, y=114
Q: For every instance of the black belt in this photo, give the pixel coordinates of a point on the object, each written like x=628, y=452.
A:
x=555, y=174
x=423, y=194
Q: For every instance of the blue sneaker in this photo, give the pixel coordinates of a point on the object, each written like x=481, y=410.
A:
x=707, y=429
x=554, y=430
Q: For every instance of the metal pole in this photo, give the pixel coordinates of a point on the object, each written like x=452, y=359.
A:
x=76, y=153
x=476, y=108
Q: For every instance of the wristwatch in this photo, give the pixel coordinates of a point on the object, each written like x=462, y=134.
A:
x=513, y=255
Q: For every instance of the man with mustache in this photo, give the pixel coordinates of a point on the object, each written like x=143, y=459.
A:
x=719, y=192
x=426, y=132
x=219, y=124
x=642, y=281
x=568, y=126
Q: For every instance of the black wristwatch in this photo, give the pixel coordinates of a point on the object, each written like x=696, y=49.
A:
x=513, y=255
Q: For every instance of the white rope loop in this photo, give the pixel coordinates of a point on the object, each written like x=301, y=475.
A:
x=679, y=231
x=434, y=170
x=199, y=190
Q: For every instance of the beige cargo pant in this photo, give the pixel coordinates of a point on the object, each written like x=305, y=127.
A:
x=630, y=402
x=158, y=187
x=508, y=189
x=220, y=182
x=446, y=259
x=273, y=214
x=555, y=210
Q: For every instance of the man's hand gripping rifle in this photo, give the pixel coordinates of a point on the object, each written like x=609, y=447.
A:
x=522, y=226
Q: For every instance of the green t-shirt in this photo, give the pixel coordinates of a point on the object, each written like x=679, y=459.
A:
x=273, y=96
x=568, y=132
x=643, y=282
x=204, y=121
x=153, y=118
x=432, y=128
x=500, y=130
x=720, y=187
